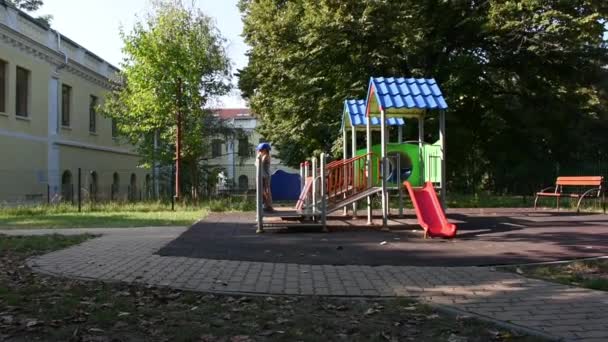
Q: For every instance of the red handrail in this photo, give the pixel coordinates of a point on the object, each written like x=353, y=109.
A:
x=347, y=177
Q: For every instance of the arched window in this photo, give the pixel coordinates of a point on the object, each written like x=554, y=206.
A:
x=66, y=186
x=133, y=187
x=115, y=185
x=93, y=186
x=243, y=183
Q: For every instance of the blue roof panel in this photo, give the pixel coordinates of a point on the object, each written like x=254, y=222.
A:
x=356, y=110
x=410, y=93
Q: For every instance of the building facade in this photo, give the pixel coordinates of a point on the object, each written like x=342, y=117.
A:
x=234, y=156
x=50, y=88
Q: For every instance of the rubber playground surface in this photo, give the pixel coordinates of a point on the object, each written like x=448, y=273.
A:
x=485, y=237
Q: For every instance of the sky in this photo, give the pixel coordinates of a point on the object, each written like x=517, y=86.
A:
x=95, y=25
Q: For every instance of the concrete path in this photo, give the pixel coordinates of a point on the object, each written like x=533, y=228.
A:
x=129, y=255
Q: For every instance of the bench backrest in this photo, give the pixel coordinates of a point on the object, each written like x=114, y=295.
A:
x=580, y=181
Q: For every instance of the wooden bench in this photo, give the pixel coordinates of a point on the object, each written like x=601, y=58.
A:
x=592, y=186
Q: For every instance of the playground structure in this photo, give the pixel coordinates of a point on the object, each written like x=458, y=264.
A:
x=378, y=169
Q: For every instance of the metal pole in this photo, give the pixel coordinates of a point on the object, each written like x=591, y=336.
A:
x=302, y=177
x=354, y=154
x=323, y=162
x=173, y=188
x=314, y=187
x=368, y=167
x=258, y=195
x=344, y=170
x=399, y=185
x=400, y=134
x=421, y=148
x=384, y=169
x=443, y=159
x=48, y=194
x=79, y=190
x=306, y=175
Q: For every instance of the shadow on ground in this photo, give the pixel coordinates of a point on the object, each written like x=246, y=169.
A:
x=485, y=237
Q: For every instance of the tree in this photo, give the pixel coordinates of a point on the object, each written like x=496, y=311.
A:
x=175, y=63
x=523, y=78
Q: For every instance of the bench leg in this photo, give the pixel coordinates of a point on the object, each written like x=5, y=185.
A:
x=535, y=202
x=557, y=202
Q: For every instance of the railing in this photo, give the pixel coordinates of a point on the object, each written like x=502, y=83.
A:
x=347, y=177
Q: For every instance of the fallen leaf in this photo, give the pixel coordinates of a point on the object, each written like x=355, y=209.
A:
x=31, y=323
x=241, y=338
x=456, y=338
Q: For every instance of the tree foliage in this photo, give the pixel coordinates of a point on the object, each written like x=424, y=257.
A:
x=175, y=61
x=525, y=80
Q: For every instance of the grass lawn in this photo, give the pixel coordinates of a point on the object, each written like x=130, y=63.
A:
x=592, y=274
x=101, y=215
x=38, y=307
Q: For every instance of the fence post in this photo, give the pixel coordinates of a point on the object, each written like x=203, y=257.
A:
x=79, y=190
x=173, y=188
x=48, y=194
x=258, y=195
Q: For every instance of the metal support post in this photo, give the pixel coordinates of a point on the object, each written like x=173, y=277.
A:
x=421, y=149
x=306, y=175
x=314, y=187
x=259, y=210
x=383, y=139
x=354, y=154
x=368, y=168
x=399, y=185
x=443, y=159
x=323, y=162
x=344, y=168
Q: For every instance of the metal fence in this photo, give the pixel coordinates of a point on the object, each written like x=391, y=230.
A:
x=83, y=185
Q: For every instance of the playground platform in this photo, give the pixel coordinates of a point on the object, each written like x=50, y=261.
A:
x=486, y=237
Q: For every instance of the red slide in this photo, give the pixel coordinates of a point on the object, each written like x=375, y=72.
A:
x=429, y=211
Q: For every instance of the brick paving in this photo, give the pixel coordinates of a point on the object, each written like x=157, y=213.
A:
x=129, y=255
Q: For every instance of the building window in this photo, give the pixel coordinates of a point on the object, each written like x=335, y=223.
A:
x=114, y=128
x=93, y=114
x=216, y=148
x=3, y=80
x=66, y=95
x=23, y=92
x=244, y=148
x=243, y=183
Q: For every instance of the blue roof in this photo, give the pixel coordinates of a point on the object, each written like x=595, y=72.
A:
x=356, y=109
x=406, y=93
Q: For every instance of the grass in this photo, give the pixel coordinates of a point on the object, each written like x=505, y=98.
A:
x=591, y=274
x=38, y=307
x=100, y=215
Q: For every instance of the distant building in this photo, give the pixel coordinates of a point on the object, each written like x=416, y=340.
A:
x=49, y=126
x=234, y=158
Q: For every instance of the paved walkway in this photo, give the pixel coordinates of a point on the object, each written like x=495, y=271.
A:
x=129, y=255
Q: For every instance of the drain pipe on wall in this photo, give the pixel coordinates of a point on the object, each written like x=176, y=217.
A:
x=65, y=56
